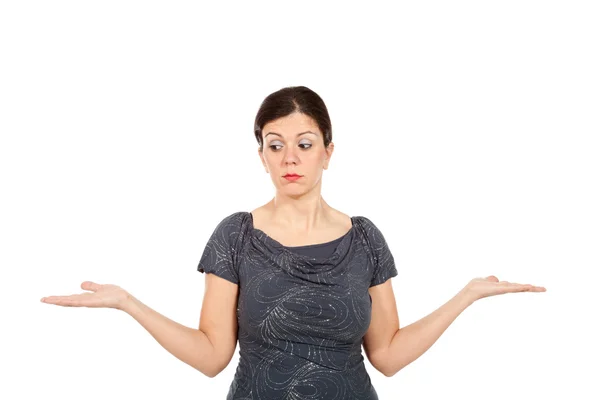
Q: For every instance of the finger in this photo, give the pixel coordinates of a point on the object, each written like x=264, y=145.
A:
x=537, y=289
x=88, y=285
x=527, y=287
x=58, y=300
x=511, y=287
x=76, y=300
x=532, y=288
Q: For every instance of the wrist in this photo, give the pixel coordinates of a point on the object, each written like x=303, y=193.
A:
x=467, y=296
x=126, y=303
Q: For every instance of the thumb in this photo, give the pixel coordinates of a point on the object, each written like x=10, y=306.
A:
x=491, y=278
x=87, y=285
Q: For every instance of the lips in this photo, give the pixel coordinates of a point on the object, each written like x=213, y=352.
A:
x=292, y=177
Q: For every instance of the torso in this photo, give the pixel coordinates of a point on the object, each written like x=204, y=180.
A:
x=302, y=315
x=340, y=224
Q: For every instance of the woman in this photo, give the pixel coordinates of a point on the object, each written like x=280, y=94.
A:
x=301, y=285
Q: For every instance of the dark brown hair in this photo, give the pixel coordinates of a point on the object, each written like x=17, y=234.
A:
x=289, y=100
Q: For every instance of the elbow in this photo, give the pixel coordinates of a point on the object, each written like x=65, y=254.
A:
x=389, y=373
x=218, y=369
x=211, y=373
x=382, y=365
x=213, y=365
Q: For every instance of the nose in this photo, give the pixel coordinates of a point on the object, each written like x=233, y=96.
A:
x=291, y=156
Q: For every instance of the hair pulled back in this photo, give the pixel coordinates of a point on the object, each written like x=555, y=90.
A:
x=289, y=100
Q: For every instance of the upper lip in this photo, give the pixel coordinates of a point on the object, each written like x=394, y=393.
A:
x=291, y=174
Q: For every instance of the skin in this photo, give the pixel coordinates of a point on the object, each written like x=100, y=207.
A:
x=297, y=215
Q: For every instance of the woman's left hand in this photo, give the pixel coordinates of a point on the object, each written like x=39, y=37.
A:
x=479, y=288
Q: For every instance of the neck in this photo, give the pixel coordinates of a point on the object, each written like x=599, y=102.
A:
x=303, y=213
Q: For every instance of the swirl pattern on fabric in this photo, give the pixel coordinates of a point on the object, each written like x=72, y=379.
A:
x=301, y=318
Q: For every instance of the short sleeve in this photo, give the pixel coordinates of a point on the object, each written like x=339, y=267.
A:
x=220, y=253
x=385, y=266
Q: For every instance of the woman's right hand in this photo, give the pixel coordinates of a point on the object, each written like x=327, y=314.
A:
x=107, y=296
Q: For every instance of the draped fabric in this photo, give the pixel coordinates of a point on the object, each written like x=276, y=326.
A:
x=301, y=316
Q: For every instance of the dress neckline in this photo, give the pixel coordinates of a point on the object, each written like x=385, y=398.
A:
x=341, y=247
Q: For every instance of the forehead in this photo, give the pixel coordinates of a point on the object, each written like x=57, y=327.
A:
x=291, y=125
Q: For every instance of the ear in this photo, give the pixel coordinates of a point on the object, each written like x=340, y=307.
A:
x=262, y=159
x=329, y=151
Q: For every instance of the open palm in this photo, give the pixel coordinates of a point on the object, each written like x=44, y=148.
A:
x=107, y=296
x=491, y=286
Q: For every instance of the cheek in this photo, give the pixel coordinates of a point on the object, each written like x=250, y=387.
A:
x=315, y=156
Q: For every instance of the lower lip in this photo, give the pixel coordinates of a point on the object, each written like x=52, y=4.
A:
x=292, y=178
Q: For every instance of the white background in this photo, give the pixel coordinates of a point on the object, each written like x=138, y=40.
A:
x=468, y=131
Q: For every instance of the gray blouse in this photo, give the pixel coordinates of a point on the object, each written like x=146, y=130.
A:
x=317, y=250
x=302, y=311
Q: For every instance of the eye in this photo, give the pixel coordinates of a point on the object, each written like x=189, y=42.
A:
x=303, y=146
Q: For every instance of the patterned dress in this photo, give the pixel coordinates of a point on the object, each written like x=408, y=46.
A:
x=301, y=317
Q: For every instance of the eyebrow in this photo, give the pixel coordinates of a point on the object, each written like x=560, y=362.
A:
x=278, y=134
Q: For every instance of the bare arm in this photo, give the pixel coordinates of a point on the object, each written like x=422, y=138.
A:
x=411, y=341
x=191, y=346
x=208, y=348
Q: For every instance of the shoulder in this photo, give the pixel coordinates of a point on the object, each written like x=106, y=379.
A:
x=342, y=219
x=366, y=222
x=370, y=229
x=223, y=247
x=231, y=226
x=385, y=265
x=228, y=233
x=234, y=219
